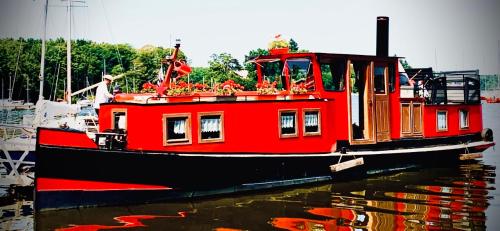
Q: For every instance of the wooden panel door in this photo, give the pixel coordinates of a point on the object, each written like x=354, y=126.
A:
x=417, y=119
x=406, y=121
x=411, y=119
x=382, y=111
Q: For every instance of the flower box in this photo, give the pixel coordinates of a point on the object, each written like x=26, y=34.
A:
x=300, y=96
x=204, y=94
x=181, y=98
x=278, y=51
x=267, y=97
x=224, y=98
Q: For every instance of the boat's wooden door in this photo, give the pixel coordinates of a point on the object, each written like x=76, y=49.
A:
x=411, y=119
x=361, y=103
x=382, y=112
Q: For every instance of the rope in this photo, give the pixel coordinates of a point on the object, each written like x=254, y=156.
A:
x=113, y=40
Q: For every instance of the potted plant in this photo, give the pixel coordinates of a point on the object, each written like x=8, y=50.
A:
x=148, y=88
x=180, y=92
x=226, y=91
x=278, y=46
x=267, y=90
x=298, y=91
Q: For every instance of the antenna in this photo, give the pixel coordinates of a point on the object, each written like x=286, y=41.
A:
x=435, y=58
x=170, y=41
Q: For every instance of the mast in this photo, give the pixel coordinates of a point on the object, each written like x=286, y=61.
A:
x=68, y=56
x=13, y=81
x=27, y=89
x=42, y=62
x=10, y=88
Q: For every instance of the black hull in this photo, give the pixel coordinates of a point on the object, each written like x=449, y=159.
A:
x=198, y=175
x=174, y=171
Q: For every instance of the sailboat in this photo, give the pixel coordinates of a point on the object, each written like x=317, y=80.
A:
x=10, y=104
x=17, y=151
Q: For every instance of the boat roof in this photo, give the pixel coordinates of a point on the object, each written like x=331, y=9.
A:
x=298, y=54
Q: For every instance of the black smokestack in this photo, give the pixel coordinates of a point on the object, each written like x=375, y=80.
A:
x=383, y=36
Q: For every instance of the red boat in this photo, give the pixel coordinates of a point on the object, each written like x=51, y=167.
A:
x=316, y=116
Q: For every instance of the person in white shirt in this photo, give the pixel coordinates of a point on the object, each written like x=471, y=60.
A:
x=102, y=94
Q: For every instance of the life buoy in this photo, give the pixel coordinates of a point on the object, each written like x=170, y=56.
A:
x=487, y=134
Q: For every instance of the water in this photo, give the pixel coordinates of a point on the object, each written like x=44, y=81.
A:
x=457, y=197
x=13, y=116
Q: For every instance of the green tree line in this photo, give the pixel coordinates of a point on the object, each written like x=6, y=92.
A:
x=489, y=82
x=20, y=66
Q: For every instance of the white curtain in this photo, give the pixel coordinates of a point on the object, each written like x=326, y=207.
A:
x=210, y=125
x=122, y=121
x=311, y=120
x=441, y=120
x=463, y=119
x=179, y=126
x=287, y=121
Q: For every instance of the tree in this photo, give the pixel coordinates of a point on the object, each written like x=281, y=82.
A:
x=294, y=47
x=147, y=62
x=405, y=64
x=199, y=75
x=223, y=62
x=250, y=67
x=88, y=58
x=223, y=66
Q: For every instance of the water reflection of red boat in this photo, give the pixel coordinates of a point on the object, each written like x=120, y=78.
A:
x=393, y=202
x=127, y=222
x=329, y=108
x=301, y=224
x=434, y=207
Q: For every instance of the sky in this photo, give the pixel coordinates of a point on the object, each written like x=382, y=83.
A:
x=444, y=34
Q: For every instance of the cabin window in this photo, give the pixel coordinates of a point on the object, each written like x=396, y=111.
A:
x=464, y=119
x=119, y=119
x=300, y=72
x=271, y=72
x=312, y=122
x=288, y=123
x=211, y=127
x=177, y=129
x=333, y=74
x=442, y=120
x=379, y=80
